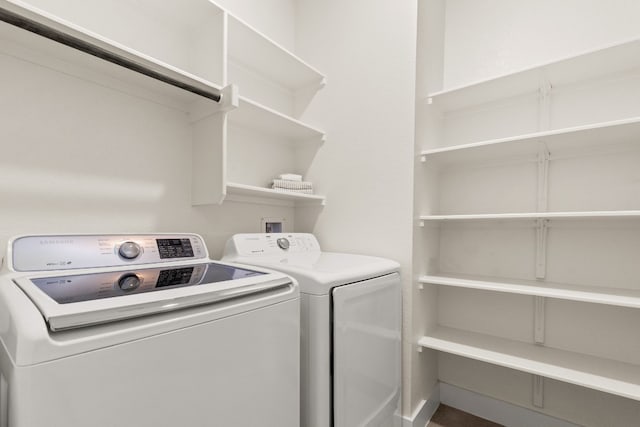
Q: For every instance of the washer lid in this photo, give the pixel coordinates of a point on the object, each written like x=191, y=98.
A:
x=76, y=300
x=318, y=272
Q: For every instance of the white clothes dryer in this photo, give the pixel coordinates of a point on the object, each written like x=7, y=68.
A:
x=144, y=331
x=351, y=327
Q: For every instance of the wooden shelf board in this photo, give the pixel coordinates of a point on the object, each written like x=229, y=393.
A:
x=582, y=67
x=622, y=379
x=590, y=294
x=535, y=215
x=574, y=139
x=25, y=45
x=251, y=49
x=244, y=190
x=252, y=115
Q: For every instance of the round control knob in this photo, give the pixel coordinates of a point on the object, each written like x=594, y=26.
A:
x=129, y=250
x=128, y=282
x=283, y=243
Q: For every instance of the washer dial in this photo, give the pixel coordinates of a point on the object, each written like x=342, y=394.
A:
x=283, y=243
x=129, y=250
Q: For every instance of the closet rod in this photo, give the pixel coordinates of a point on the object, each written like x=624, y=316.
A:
x=87, y=47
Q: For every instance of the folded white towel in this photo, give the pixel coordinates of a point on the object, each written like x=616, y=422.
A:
x=290, y=177
x=288, y=190
x=292, y=185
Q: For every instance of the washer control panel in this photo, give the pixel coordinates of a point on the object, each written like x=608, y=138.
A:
x=260, y=244
x=66, y=252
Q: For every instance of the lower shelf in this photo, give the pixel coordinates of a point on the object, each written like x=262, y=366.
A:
x=590, y=294
x=609, y=376
x=250, y=193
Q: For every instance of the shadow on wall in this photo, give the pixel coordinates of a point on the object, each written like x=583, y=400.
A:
x=55, y=200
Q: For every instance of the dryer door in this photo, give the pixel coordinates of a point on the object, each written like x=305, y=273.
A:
x=366, y=352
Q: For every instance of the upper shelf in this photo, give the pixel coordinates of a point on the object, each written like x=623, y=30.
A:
x=24, y=44
x=573, y=139
x=253, y=115
x=243, y=192
x=257, y=52
x=583, y=67
x=609, y=376
x=590, y=294
x=534, y=215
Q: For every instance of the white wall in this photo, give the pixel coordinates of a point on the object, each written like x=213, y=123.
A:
x=274, y=18
x=494, y=37
x=80, y=157
x=367, y=50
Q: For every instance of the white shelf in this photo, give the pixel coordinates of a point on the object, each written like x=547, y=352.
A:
x=20, y=43
x=535, y=215
x=605, y=375
x=586, y=66
x=252, y=50
x=246, y=46
x=590, y=294
x=575, y=139
x=253, y=115
x=270, y=75
x=242, y=192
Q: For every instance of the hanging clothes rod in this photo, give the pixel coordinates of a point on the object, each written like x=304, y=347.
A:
x=91, y=49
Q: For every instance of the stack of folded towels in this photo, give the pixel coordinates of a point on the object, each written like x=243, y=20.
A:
x=292, y=182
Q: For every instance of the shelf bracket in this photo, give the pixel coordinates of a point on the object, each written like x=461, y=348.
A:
x=423, y=158
x=544, y=104
x=542, y=226
x=538, y=391
x=202, y=108
x=543, y=177
x=538, y=319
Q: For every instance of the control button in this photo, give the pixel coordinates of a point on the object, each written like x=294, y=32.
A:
x=283, y=243
x=128, y=282
x=129, y=250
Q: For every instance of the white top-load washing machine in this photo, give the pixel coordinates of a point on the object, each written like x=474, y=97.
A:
x=351, y=327
x=144, y=331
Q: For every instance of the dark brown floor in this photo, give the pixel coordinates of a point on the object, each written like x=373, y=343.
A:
x=446, y=416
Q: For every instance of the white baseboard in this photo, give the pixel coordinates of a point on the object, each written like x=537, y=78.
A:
x=495, y=410
x=424, y=411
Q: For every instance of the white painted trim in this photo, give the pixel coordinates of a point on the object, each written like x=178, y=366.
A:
x=496, y=410
x=424, y=411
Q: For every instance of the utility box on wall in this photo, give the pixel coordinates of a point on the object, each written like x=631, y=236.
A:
x=272, y=225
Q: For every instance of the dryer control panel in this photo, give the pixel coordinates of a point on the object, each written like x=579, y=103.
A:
x=66, y=252
x=260, y=244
